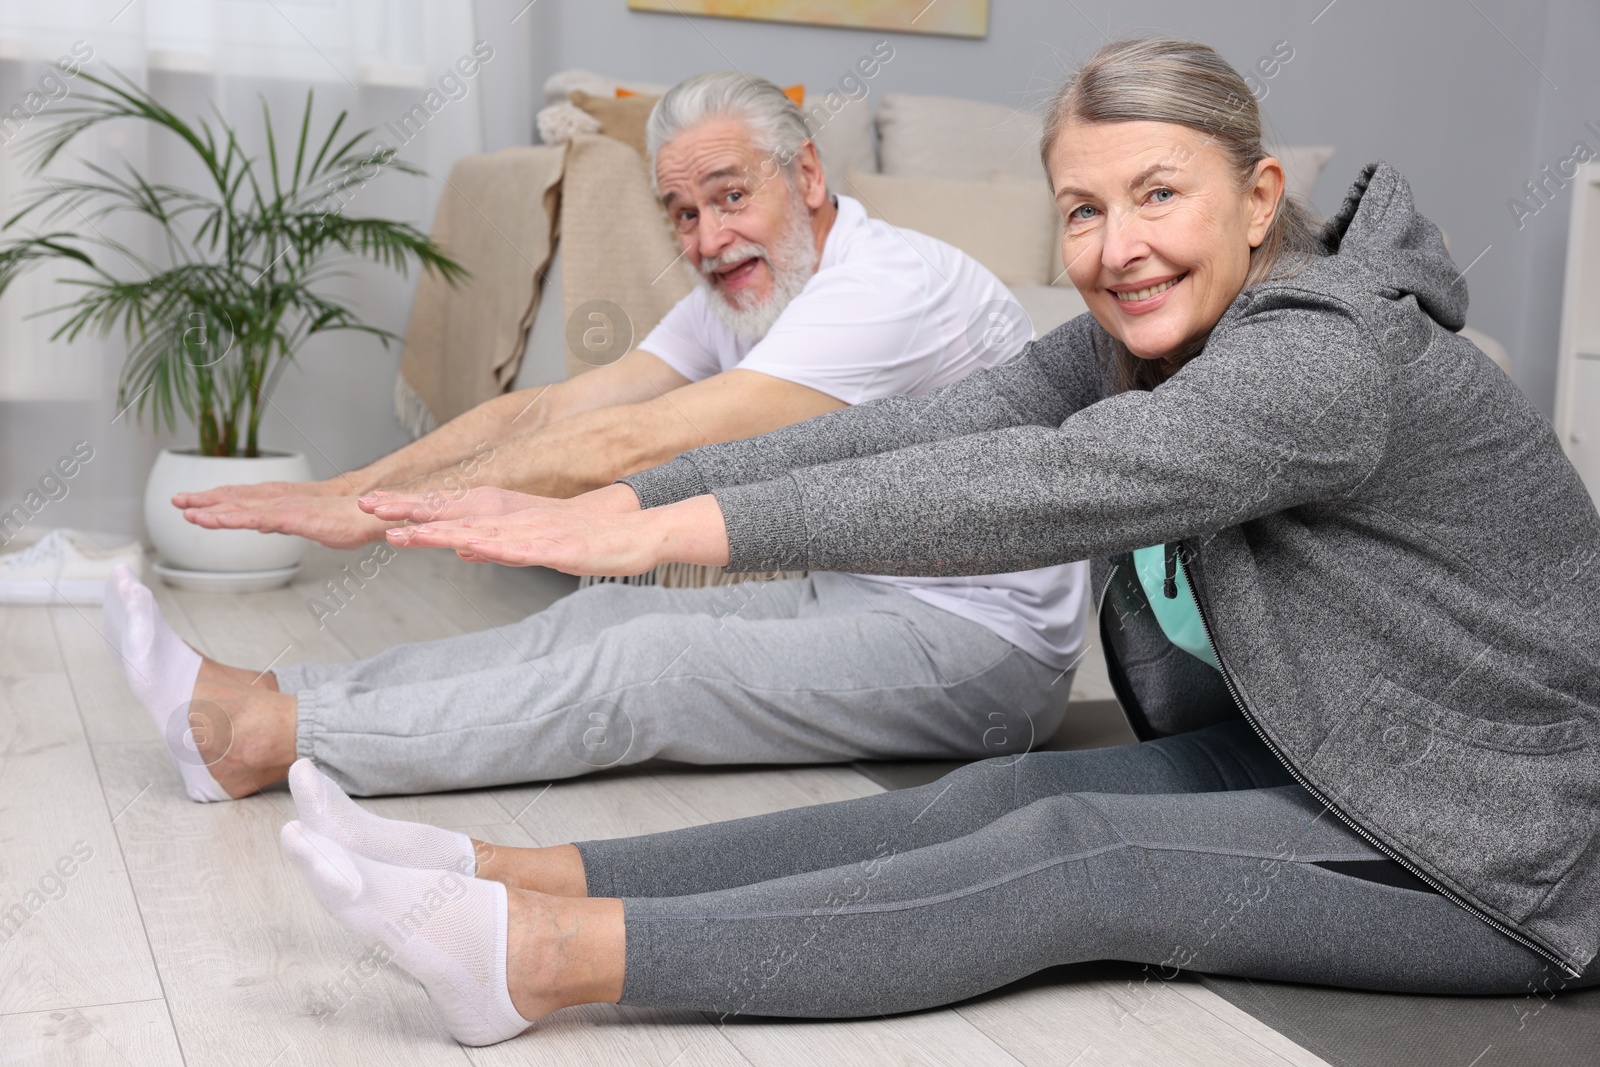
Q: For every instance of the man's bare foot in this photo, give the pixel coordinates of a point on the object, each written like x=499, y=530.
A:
x=243, y=675
x=222, y=736
x=245, y=734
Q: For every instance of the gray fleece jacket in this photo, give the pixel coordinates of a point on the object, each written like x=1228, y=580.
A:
x=1399, y=568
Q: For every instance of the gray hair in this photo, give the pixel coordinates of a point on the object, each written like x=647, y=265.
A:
x=1168, y=79
x=776, y=125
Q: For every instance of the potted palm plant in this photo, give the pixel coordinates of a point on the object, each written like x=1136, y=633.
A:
x=241, y=286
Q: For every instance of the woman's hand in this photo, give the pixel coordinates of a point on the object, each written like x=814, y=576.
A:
x=581, y=540
x=438, y=505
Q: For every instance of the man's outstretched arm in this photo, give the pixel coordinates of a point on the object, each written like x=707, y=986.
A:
x=580, y=435
x=591, y=449
x=323, y=511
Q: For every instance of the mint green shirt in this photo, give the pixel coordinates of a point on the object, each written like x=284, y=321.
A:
x=1179, y=618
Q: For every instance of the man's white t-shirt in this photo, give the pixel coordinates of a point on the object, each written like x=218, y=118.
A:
x=892, y=311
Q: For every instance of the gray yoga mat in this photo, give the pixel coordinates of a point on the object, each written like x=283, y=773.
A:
x=1545, y=1028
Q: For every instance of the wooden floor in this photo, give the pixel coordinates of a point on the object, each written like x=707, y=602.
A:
x=157, y=931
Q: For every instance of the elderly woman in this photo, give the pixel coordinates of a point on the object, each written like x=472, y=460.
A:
x=1352, y=609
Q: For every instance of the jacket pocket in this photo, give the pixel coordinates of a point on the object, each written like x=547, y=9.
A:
x=1502, y=810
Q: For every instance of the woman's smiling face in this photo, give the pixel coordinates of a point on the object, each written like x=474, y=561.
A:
x=1157, y=233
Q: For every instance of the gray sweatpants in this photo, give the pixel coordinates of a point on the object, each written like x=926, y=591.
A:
x=820, y=669
x=1195, y=852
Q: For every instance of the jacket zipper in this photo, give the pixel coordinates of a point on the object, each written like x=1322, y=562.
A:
x=1428, y=880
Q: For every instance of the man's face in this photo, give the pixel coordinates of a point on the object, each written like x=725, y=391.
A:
x=743, y=224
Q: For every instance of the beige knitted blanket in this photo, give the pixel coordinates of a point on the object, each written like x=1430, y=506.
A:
x=618, y=253
x=497, y=217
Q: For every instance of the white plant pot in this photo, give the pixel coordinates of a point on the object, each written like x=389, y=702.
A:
x=183, y=544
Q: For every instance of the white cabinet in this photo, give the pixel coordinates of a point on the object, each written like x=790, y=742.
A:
x=1577, y=411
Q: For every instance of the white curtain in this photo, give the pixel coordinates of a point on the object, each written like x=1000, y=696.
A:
x=395, y=65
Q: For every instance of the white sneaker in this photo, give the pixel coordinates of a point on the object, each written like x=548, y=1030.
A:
x=64, y=567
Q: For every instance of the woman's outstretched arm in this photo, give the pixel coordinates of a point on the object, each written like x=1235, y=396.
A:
x=1049, y=380
x=579, y=540
x=1286, y=407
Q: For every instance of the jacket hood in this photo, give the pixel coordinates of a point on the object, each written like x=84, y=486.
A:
x=1379, y=226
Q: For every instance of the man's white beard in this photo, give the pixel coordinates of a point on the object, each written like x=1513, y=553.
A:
x=792, y=259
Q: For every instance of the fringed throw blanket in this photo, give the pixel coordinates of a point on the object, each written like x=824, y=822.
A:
x=618, y=249
x=496, y=217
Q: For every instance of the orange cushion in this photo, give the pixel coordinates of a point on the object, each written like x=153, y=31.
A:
x=797, y=93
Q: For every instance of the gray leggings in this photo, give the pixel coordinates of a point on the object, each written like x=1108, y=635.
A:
x=1195, y=852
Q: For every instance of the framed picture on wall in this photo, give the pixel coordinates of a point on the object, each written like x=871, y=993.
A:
x=951, y=18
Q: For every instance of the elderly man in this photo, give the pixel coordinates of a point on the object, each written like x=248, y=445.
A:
x=806, y=305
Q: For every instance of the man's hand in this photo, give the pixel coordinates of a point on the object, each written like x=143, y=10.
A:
x=577, y=540
x=261, y=492
x=329, y=520
x=438, y=505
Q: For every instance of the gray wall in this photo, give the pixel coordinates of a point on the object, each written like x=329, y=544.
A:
x=1568, y=101
x=1446, y=90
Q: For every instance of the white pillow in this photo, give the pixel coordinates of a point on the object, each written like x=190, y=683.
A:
x=841, y=128
x=1008, y=224
x=942, y=137
x=1048, y=306
x=562, y=82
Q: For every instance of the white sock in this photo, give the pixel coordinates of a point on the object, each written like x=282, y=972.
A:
x=447, y=930
x=162, y=671
x=325, y=809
